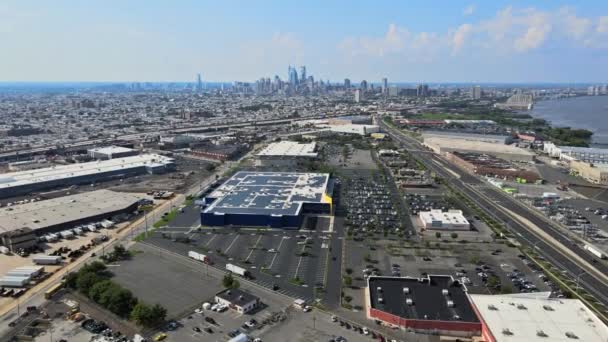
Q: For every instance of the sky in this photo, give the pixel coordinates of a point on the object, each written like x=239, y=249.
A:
x=406, y=41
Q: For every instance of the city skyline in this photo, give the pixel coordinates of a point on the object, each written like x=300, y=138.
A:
x=464, y=42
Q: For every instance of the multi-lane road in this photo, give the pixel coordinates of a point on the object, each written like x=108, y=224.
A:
x=528, y=227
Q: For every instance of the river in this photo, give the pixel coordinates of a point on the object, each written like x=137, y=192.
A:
x=589, y=112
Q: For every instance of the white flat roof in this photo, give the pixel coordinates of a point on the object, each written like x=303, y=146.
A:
x=477, y=146
x=12, y=179
x=111, y=149
x=446, y=217
x=289, y=149
x=526, y=315
x=37, y=215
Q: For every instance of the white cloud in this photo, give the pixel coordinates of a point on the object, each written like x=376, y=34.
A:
x=469, y=10
x=510, y=31
x=460, y=36
x=602, y=25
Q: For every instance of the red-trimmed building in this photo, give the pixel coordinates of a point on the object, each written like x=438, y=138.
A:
x=422, y=122
x=435, y=304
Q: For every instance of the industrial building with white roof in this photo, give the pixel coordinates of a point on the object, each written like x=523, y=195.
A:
x=286, y=153
x=60, y=213
x=24, y=182
x=530, y=317
x=449, y=220
x=273, y=199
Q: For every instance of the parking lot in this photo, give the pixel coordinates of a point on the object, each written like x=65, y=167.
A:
x=292, y=262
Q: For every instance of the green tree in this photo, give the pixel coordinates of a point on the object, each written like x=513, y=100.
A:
x=120, y=252
x=454, y=236
x=70, y=280
x=141, y=314
x=94, y=267
x=98, y=289
x=438, y=235
x=348, y=281
x=349, y=271
x=228, y=280
x=86, y=281
x=121, y=301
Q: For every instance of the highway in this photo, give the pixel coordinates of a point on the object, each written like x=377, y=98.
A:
x=548, y=240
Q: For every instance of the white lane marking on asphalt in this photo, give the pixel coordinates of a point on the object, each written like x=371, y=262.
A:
x=254, y=247
x=275, y=254
x=231, y=244
x=208, y=242
x=300, y=261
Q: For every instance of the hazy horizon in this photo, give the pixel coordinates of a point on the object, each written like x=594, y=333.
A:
x=409, y=42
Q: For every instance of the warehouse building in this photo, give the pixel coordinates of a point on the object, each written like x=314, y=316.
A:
x=487, y=138
x=61, y=213
x=286, y=153
x=490, y=166
x=507, y=152
x=530, y=317
x=597, y=174
x=24, y=182
x=448, y=220
x=434, y=304
x=111, y=152
x=270, y=199
x=569, y=153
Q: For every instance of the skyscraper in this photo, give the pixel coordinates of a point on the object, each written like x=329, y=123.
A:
x=199, y=83
x=303, y=73
x=363, y=85
x=292, y=76
x=384, y=85
x=359, y=95
x=476, y=92
x=346, y=83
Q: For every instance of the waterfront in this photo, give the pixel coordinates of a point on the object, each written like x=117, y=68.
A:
x=588, y=112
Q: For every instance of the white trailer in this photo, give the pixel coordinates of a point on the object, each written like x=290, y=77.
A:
x=595, y=251
x=77, y=231
x=67, y=234
x=92, y=228
x=47, y=259
x=237, y=270
x=52, y=237
x=107, y=224
x=199, y=257
x=14, y=281
x=4, y=250
x=29, y=270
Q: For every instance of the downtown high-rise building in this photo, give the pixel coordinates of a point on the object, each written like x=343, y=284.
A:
x=292, y=76
x=303, y=73
x=476, y=92
x=359, y=95
x=346, y=83
x=199, y=83
x=384, y=85
x=363, y=85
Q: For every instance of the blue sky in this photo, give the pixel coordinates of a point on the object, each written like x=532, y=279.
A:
x=409, y=41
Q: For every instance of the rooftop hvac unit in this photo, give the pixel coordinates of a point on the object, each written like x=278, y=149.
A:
x=450, y=304
x=379, y=289
x=445, y=292
x=409, y=301
x=380, y=300
x=521, y=307
x=406, y=290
